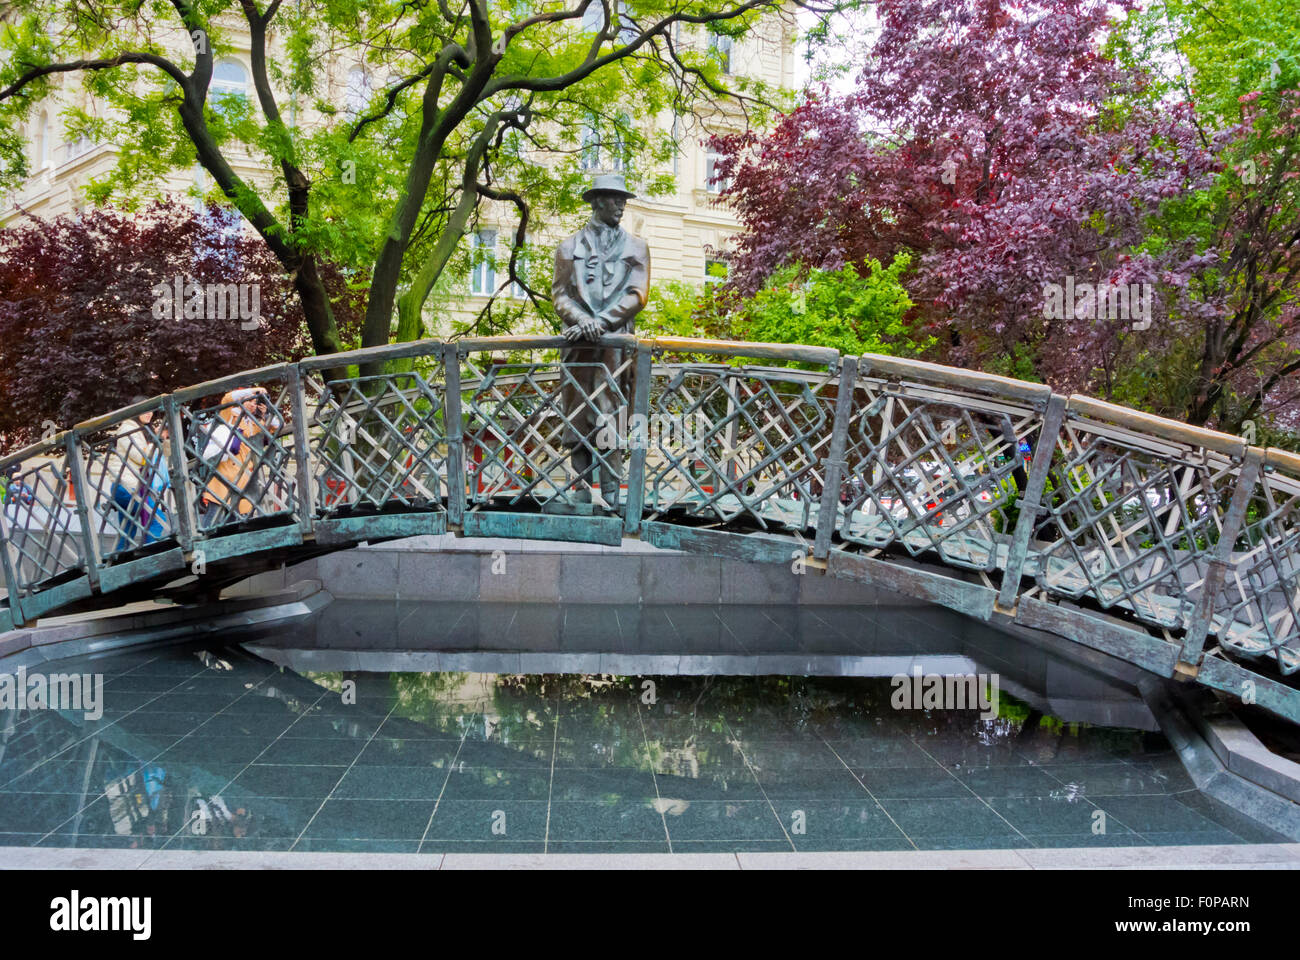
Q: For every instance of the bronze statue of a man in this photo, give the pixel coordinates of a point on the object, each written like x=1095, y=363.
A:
x=602, y=276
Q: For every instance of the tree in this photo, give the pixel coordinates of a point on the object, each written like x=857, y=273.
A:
x=394, y=185
x=88, y=317
x=1236, y=356
x=1001, y=145
x=850, y=310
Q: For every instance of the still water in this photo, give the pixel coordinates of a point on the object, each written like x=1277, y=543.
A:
x=246, y=742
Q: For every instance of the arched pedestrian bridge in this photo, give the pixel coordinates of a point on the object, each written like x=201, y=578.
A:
x=1171, y=547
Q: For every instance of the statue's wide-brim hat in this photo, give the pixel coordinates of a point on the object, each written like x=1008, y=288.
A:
x=610, y=183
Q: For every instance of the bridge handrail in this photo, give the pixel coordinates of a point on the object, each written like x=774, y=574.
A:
x=1244, y=486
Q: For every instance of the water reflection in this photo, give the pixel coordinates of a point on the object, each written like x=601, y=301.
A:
x=216, y=749
x=857, y=641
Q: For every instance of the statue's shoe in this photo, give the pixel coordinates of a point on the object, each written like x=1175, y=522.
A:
x=611, y=499
x=581, y=494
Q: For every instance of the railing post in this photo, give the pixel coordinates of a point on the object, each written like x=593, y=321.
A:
x=302, y=453
x=834, y=466
x=1031, y=501
x=1193, y=650
x=81, y=490
x=632, y=507
x=455, y=429
x=178, y=467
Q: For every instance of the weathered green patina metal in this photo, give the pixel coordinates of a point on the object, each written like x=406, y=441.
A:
x=1172, y=547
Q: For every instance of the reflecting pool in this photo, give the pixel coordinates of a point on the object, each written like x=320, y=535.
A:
x=216, y=747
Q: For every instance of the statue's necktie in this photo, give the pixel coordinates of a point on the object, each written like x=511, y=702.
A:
x=596, y=278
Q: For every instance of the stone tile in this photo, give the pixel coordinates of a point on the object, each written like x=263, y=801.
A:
x=531, y=578
x=901, y=783
x=1120, y=779
x=1271, y=855
x=931, y=820
x=596, y=784
x=817, y=588
x=337, y=753
x=1053, y=815
x=809, y=785
x=876, y=752
x=682, y=580
x=757, y=583
x=1150, y=815
x=348, y=819
x=474, y=821
x=270, y=780
x=70, y=858
x=1009, y=859
x=836, y=821
x=382, y=752
x=359, y=573
x=1010, y=781
x=437, y=576
x=497, y=783
x=611, y=855
x=620, y=820
x=600, y=578
x=727, y=821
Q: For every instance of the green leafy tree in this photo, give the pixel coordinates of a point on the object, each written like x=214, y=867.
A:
x=852, y=310
x=1231, y=353
x=480, y=101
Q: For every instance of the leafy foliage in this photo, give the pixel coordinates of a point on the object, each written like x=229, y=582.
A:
x=78, y=331
x=466, y=110
x=1013, y=145
x=850, y=310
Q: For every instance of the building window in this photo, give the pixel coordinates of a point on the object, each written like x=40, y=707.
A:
x=617, y=152
x=677, y=145
x=78, y=147
x=229, y=82
x=712, y=182
x=43, y=141
x=720, y=50
x=483, y=277
x=715, y=270
x=606, y=154
x=81, y=144
x=590, y=156
x=359, y=91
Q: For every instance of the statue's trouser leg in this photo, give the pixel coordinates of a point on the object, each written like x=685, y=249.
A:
x=581, y=461
x=611, y=476
x=611, y=458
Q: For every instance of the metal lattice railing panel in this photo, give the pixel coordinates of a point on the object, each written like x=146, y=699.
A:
x=934, y=472
x=738, y=444
x=239, y=455
x=1130, y=523
x=41, y=524
x=1258, y=608
x=131, y=503
x=378, y=441
x=533, y=432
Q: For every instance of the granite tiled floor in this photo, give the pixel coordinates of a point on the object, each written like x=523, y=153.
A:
x=216, y=750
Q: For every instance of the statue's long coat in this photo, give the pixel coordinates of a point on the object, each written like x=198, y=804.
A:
x=608, y=281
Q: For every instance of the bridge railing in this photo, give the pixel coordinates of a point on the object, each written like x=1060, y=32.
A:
x=1036, y=495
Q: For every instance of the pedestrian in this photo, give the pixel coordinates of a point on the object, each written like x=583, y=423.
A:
x=140, y=482
x=233, y=435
